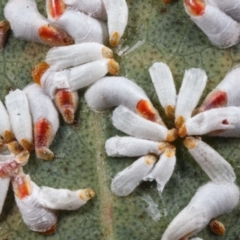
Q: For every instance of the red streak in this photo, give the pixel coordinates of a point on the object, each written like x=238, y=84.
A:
x=144, y=108
x=195, y=7
x=43, y=133
x=23, y=190
x=64, y=97
x=215, y=100
x=56, y=8
x=54, y=36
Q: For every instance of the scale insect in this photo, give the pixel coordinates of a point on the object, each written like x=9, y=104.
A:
x=45, y=120
x=81, y=27
x=219, y=21
x=27, y=23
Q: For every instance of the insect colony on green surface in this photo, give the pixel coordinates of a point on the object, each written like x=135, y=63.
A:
x=69, y=68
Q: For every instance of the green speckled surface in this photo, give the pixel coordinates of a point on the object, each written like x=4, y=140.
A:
x=166, y=34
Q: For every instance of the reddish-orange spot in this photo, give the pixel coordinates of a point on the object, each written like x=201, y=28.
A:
x=38, y=70
x=56, y=8
x=42, y=132
x=23, y=190
x=66, y=103
x=54, y=36
x=51, y=230
x=195, y=7
x=64, y=97
x=145, y=109
x=215, y=100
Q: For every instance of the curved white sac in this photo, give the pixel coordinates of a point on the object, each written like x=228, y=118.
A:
x=114, y=91
x=38, y=204
x=129, y=178
x=93, y=8
x=163, y=83
x=69, y=56
x=218, y=119
x=193, y=84
x=117, y=14
x=211, y=162
x=20, y=118
x=226, y=93
x=27, y=23
x=81, y=27
x=6, y=131
x=45, y=120
x=222, y=30
x=221, y=199
x=132, y=147
x=134, y=125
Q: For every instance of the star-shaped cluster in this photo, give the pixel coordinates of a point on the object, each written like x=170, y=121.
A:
x=150, y=139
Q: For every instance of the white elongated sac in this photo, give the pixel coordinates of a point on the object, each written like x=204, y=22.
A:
x=212, y=120
x=130, y=123
x=212, y=163
x=220, y=28
x=5, y=126
x=129, y=178
x=163, y=169
x=27, y=23
x=210, y=201
x=231, y=8
x=81, y=27
x=64, y=199
x=225, y=94
x=4, y=185
x=20, y=118
x=114, y=91
x=109, y=92
x=194, y=82
x=77, y=77
x=69, y=56
x=45, y=120
x=117, y=14
x=164, y=86
x=93, y=8
x=132, y=147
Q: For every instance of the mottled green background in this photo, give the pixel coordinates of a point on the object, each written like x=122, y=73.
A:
x=163, y=33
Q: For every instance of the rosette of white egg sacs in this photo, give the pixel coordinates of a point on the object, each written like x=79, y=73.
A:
x=70, y=68
x=219, y=20
x=27, y=23
x=83, y=19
